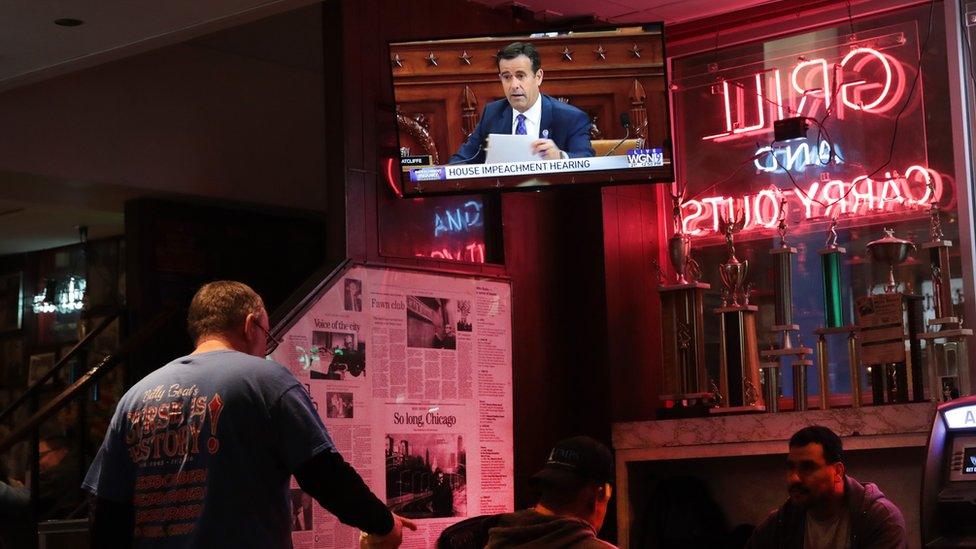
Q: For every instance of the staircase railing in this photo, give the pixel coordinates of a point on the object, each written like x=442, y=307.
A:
x=35, y=388
x=106, y=364
x=29, y=428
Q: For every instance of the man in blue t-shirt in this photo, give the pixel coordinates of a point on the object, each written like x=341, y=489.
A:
x=201, y=451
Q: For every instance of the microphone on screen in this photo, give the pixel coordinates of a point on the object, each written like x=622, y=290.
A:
x=481, y=147
x=625, y=122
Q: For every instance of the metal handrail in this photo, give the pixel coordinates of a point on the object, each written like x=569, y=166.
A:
x=36, y=386
x=298, y=303
x=106, y=364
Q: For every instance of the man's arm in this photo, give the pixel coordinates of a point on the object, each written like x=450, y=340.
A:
x=887, y=528
x=340, y=490
x=307, y=450
x=578, y=143
x=111, y=524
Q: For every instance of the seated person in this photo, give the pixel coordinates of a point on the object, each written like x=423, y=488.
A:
x=562, y=130
x=575, y=487
x=827, y=508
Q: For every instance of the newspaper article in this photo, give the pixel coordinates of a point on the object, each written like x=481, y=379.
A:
x=412, y=375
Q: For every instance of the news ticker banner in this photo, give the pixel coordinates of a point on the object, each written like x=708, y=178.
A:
x=635, y=158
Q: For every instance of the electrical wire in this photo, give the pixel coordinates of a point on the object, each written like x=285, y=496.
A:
x=894, y=131
x=850, y=16
x=822, y=128
x=911, y=92
x=833, y=93
x=723, y=180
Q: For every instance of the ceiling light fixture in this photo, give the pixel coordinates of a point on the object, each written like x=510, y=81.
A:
x=44, y=302
x=61, y=296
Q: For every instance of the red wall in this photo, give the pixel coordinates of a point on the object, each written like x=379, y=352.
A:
x=632, y=238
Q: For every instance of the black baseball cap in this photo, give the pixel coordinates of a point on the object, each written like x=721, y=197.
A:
x=574, y=459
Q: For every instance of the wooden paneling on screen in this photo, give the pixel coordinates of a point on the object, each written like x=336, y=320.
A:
x=605, y=77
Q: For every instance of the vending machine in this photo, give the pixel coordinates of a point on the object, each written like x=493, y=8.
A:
x=948, y=505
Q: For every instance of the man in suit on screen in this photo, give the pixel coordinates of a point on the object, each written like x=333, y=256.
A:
x=562, y=130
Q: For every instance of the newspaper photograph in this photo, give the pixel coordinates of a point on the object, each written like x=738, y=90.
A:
x=411, y=374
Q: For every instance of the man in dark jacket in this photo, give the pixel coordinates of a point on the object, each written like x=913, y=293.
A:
x=576, y=488
x=826, y=508
x=560, y=129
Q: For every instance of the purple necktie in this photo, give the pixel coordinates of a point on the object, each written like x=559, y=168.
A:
x=520, y=125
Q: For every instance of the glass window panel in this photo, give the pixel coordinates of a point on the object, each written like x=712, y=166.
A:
x=853, y=84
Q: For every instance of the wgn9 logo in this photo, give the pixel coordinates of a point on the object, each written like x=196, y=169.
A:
x=645, y=158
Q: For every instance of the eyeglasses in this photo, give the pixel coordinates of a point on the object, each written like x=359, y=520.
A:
x=272, y=342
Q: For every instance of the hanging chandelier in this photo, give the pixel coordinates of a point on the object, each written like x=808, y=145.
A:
x=64, y=297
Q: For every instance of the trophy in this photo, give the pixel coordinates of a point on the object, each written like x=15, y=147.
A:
x=770, y=379
x=830, y=263
x=833, y=300
x=885, y=321
x=739, y=382
x=949, y=375
x=733, y=272
x=784, y=326
x=679, y=252
x=891, y=251
x=685, y=378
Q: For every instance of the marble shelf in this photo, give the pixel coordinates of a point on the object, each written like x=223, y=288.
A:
x=640, y=443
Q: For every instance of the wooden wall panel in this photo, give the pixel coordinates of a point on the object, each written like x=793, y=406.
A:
x=562, y=374
x=632, y=236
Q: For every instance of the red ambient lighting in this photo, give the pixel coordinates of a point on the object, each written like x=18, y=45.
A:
x=806, y=82
x=916, y=189
x=472, y=253
x=391, y=179
x=864, y=84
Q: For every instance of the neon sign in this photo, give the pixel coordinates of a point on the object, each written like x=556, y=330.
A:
x=458, y=233
x=917, y=188
x=61, y=297
x=795, y=158
x=458, y=220
x=815, y=83
x=473, y=252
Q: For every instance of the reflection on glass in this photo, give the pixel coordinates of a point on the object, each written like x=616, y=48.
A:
x=849, y=86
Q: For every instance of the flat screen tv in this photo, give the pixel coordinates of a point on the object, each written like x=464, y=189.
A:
x=531, y=110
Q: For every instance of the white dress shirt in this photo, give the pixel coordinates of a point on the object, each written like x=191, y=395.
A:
x=533, y=121
x=533, y=118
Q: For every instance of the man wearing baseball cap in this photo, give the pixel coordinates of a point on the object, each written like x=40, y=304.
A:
x=576, y=487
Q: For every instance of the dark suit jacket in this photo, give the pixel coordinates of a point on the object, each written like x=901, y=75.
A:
x=568, y=127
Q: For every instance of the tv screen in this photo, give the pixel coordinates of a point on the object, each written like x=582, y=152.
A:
x=531, y=110
x=969, y=461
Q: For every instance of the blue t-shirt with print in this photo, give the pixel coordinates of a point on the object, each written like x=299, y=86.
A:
x=204, y=449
